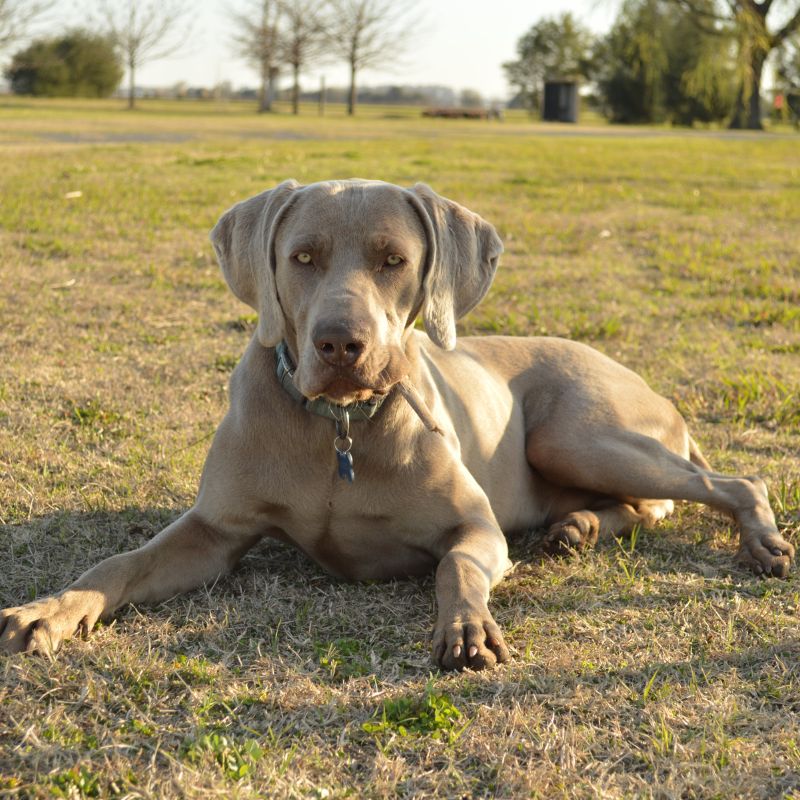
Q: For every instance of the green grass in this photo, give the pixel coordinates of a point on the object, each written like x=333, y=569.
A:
x=648, y=668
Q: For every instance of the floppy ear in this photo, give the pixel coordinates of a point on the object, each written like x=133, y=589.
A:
x=463, y=250
x=243, y=241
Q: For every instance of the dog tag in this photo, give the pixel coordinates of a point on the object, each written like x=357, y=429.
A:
x=345, y=466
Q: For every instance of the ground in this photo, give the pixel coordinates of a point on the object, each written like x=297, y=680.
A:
x=651, y=667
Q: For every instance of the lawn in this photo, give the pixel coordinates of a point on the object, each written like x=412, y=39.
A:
x=650, y=667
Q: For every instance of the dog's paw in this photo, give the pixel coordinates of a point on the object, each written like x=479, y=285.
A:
x=572, y=534
x=471, y=640
x=767, y=554
x=41, y=626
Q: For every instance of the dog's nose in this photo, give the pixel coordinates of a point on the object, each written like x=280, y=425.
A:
x=338, y=346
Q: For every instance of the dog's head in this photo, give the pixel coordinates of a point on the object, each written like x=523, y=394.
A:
x=341, y=269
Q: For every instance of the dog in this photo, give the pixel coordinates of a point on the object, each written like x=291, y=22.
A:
x=382, y=451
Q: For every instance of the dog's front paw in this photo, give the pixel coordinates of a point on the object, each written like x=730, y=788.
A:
x=471, y=639
x=41, y=626
x=766, y=554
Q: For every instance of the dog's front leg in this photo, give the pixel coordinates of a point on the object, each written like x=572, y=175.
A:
x=187, y=554
x=476, y=558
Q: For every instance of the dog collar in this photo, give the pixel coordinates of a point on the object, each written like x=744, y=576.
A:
x=341, y=415
x=364, y=409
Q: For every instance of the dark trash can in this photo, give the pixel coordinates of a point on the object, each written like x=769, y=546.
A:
x=560, y=101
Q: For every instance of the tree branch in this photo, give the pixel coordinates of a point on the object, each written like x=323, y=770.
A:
x=787, y=30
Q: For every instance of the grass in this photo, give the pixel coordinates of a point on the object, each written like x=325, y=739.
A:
x=649, y=668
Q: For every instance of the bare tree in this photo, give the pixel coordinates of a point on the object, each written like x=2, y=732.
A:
x=16, y=16
x=303, y=38
x=368, y=32
x=258, y=41
x=748, y=18
x=145, y=30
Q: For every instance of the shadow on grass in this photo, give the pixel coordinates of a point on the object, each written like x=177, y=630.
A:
x=278, y=602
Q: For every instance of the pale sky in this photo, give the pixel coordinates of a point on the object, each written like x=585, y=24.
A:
x=463, y=46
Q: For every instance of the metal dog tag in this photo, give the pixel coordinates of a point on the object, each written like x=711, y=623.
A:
x=345, y=461
x=342, y=444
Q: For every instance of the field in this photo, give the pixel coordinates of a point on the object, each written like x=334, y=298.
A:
x=650, y=667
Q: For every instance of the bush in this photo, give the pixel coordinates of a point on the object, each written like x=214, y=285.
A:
x=76, y=64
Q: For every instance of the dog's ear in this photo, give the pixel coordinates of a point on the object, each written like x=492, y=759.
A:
x=243, y=241
x=463, y=250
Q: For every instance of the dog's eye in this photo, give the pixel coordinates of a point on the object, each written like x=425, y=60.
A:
x=303, y=258
x=394, y=260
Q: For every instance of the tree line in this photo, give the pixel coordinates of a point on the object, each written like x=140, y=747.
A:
x=678, y=61
x=272, y=35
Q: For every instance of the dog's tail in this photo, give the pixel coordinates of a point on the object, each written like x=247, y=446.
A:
x=701, y=466
x=696, y=457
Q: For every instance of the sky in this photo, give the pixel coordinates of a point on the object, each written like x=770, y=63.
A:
x=463, y=44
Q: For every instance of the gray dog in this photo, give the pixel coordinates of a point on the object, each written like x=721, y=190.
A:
x=384, y=452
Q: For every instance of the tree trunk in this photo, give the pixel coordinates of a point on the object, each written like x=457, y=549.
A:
x=272, y=86
x=131, y=84
x=296, y=89
x=533, y=102
x=264, y=95
x=351, y=99
x=747, y=108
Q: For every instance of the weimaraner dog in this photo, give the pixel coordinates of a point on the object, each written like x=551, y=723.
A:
x=383, y=452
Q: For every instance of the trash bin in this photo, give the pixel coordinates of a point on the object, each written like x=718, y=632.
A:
x=560, y=101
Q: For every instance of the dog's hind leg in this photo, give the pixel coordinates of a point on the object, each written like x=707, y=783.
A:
x=627, y=465
x=185, y=555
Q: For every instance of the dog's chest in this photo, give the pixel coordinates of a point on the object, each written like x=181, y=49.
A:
x=358, y=542
x=362, y=530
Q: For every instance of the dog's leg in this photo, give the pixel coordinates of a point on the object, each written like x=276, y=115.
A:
x=625, y=464
x=187, y=554
x=466, y=635
x=581, y=529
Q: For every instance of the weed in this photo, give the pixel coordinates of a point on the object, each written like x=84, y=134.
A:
x=196, y=671
x=78, y=781
x=92, y=415
x=344, y=658
x=235, y=758
x=225, y=363
x=433, y=714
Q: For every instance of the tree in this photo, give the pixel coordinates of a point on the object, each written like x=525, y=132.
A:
x=787, y=66
x=77, y=64
x=470, y=98
x=787, y=76
x=630, y=63
x=258, y=41
x=16, y=17
x=303, y=39
x=144, y=30
x=555, y=47
x=700, y=80
x=368, y=32
x=656, y=65
x=756, y=41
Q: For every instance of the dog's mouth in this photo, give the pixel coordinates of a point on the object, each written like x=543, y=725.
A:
x=345, y=388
